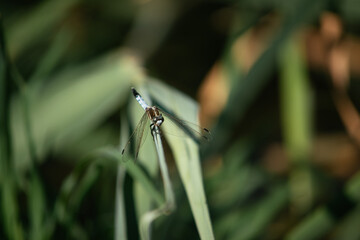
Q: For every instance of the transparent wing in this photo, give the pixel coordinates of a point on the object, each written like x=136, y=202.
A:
x=191, y=129
x=138, y=137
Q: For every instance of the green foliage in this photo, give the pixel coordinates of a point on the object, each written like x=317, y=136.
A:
x=66, y=112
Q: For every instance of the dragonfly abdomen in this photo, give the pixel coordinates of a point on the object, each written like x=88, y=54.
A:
x=140, y=100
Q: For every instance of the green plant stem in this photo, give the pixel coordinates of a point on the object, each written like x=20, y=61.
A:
x=10, y=222
x=169, y=193
x=169, y=204
x=120, y=209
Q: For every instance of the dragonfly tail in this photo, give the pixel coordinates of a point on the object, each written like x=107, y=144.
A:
x=135, y=93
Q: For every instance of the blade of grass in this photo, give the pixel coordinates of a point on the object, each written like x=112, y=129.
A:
x=296, y=108
x=100, y=137
x=186, y=153
x=296, y=99
x=135, y=172
x=313, y=227
x=320, y=221
x=51, y=58
x=349, y=228
x=232, y=71
x=238, y=188
x=262, y=214
x=245, y=92
x=170, y=204
x=72, y=193
x=37, y=208
x=35, y=191
x=241, y=178
x=120, y=210
x=12, y=226
x=77, y=184
x=75, y=102
x=31, y=28
x=353, y=187
x=250, y=221
x=25, y=111
x=5, y=94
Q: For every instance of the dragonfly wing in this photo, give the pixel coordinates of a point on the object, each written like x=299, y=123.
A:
x=138, y=137
x=141, y=134
x=193, y=130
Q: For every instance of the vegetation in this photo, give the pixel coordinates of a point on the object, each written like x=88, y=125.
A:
x=277, y=85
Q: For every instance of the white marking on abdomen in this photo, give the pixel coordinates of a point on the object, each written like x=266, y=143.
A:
x=142, y=102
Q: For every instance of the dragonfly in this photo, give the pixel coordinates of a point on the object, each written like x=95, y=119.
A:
x=155, y=116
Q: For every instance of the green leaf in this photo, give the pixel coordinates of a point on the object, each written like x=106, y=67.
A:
x=134, y=170
x=9, y=204
x=348, y=228
x=296, y=100
x=37, y=207
x=244, y=93
x=5, y=95
x=313, y=227
x=13, y=227
x=296, y=109
x=120, y=208
x=75, y=102
x=30, y=28
x=250, y=221
x=353, y=187
x=186, y=152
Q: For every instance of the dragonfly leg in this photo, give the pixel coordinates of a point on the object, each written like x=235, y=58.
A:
x=152, y=128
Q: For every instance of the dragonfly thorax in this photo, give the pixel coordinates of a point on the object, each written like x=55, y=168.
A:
x=155, y=116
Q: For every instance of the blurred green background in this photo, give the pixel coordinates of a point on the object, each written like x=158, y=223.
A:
x=277, y=84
